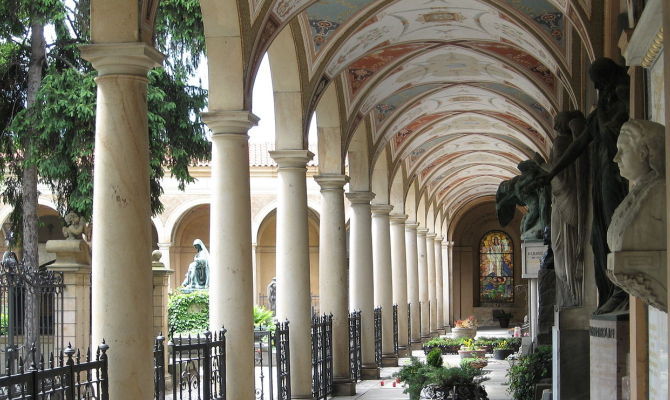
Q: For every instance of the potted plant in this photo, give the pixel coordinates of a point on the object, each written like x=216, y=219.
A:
x=465, y=328
x=434, y=381
x=503, y=317
x=502, y=350
x=469, y=350
x=477, y=363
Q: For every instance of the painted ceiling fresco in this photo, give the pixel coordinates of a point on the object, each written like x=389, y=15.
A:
x=458, y=92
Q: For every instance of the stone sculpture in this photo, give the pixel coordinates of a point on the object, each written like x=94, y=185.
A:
x=608, y=187
x=546, y=281
x=74, y=226
x=637, y=233
x=524, y=190
x=272, y=295
x=197, y=275
x=569, y=207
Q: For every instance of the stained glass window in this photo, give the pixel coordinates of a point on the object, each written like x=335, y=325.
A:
x=496, y=268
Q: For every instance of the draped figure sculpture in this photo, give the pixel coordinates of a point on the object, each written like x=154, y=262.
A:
x=637, y=234
x=608, y=187
x=197, y=275
x=524, y=190
x=569, y=207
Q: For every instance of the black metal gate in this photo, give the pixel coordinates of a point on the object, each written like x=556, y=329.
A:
x=31, y=311
x=378, y=335
x=272, y=360
x=395, y=329
x=355, y=355
x=322, y=356
x=198, y=367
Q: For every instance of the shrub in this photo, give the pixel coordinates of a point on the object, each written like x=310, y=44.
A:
x=263, y=318
x=434, y=358
x=527, y=371
x=439, y=380
x=188, y=313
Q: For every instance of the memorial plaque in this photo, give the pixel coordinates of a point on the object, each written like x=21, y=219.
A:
x=531, y=257
x=609, y=347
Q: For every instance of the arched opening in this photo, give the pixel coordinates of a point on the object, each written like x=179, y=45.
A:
x=194, y=224
x=484, y=276
x=265, y=256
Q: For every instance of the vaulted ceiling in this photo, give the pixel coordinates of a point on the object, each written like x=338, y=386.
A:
x=457, y=92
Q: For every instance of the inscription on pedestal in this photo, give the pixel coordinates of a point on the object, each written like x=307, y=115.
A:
x=609, y=347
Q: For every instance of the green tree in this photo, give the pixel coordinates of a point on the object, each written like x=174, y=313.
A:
x=47, y=109
x=62, y=117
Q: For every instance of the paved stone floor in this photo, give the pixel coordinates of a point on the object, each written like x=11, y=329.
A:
x=495, y=386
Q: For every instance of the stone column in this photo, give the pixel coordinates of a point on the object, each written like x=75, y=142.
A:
x=383, y=285
x=121, y=280
x=424, y=298
x=361, y=276
x=333, y=279
x=446, y=284
x=399, y=272
x=432, y=283
x=293, y=295
x=439, y=289
x=73, y=259
x=413, y=280
x=230, y=264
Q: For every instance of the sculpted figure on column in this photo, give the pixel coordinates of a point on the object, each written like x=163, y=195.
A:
x=608, y=187
x=637, y=233
x=569, y=190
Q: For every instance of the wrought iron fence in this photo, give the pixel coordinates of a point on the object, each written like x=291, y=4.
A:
x=355, y=355
x=409, y=326
x=31, y=311
x=283, y=361
x=322, y=356
x=198, y=367
x=63, y=376
x=395, y=329
x=159, y=368
x=378, y=335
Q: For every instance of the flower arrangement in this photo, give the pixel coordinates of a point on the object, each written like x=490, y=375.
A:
x=469, y=322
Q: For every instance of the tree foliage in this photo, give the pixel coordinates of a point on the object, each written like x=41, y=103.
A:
x=62, y=120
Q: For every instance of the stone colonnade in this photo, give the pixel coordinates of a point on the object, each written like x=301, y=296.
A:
x=385, y=250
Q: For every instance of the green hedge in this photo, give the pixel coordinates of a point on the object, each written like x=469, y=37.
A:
x=188, y=312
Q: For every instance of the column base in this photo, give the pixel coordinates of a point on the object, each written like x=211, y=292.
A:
x=389, y=360
x=369, y=372
x=404, y=351
x=434, y=334
x=416, y=346
x=344, y=387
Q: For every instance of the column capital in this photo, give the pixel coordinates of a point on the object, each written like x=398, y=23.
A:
x=381, y=209
x=135, y=58
x=331, y=181
x=411, y=225
x=227, y=122
x=421, y=231
x=360, y=197
x=291, y=158
x=430, y=235
x=396, y=218
x=438, y=239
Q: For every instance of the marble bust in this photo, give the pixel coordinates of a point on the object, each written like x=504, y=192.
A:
x=637, y=233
